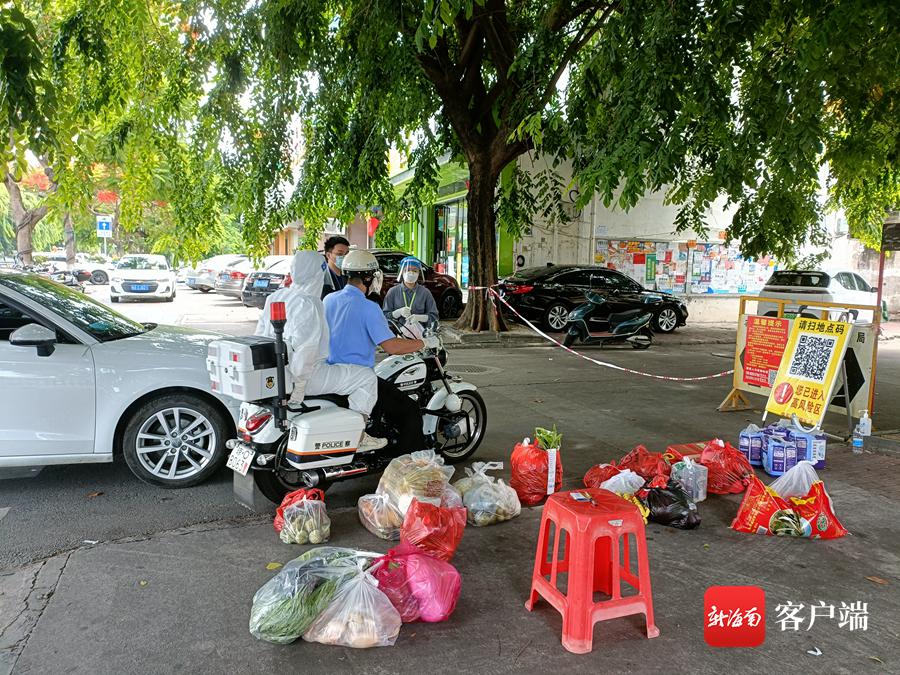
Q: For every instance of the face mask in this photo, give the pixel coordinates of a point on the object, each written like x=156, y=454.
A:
x=339, y=261
x=410, y=277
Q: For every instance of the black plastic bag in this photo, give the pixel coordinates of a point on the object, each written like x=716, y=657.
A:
x=672, y=506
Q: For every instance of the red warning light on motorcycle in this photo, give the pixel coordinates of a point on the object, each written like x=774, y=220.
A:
x=783, y=393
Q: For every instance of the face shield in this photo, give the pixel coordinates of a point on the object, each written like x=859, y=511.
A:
x=410, y=271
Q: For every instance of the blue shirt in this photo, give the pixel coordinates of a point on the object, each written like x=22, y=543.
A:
x=356, y=326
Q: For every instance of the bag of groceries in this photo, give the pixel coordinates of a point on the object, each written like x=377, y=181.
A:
x=305, y=521
x=421, y=587
x=420, y=475
x=359, y=615
x=531, y=465
x=434, y=530
x=379, y=516
x=287, y=604
x=488, y=500
x=303, y=494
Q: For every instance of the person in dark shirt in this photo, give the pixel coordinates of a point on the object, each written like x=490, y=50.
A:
x=335, y=249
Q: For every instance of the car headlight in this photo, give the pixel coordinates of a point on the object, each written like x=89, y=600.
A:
x=116, y=280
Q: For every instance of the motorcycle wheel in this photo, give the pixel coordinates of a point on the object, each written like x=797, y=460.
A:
x=644, y=343
x=568, y=340
x=454, y=451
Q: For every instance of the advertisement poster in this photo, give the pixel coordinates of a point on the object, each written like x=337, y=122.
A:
x=809, y=369
x=650, y=273
x=766, y=340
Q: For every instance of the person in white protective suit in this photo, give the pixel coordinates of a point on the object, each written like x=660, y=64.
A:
x=307, y=338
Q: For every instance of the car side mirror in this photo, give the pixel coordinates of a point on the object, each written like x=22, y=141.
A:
x=34, y=335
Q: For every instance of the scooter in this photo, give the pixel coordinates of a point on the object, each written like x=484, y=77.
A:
x=632, y=326
x=316, y=443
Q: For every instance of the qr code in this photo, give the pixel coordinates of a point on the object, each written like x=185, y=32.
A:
x=811, y=357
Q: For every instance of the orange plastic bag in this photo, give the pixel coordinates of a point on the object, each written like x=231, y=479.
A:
x=729, y=470
x=763, y=511
x=436, y=530
x=644, y=463
x=598, y=474
x=293, y=497
x=530, y=469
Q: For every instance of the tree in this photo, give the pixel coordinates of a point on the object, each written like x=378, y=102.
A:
x=747, y=101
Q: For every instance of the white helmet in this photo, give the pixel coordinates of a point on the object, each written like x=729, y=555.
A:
x=359, y=261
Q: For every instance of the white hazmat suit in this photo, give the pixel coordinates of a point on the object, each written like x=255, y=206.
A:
x=306, y=335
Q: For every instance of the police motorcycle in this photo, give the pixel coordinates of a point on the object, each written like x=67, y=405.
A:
x=316, y=443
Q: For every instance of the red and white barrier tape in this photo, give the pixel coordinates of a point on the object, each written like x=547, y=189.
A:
x=493, y=293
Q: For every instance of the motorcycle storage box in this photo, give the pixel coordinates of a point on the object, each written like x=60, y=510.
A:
x=326, y=437
x=243, y=368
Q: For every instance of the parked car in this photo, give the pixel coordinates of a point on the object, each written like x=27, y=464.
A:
x=443, y=287
x=80, y=382
x=142, y=276
x=839, y=286
x=547, y=295
x=231, y=280
x=203, y=279
x=99, y=267
x=261, y=283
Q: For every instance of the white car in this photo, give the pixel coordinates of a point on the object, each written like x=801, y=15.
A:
x=841, y=286
x=100, y=270
x=204, y=277
x=80, y=382
x=142, y=277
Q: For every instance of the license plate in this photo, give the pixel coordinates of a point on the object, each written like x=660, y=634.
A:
x=261, y=283
x=224, y=277
x=240, y=458
x=192, y=280
x=140, y=287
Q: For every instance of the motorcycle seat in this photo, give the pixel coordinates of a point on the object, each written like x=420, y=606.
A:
x=627, y=315
x=339, y=400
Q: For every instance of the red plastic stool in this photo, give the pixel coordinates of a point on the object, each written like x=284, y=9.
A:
x=590, y=557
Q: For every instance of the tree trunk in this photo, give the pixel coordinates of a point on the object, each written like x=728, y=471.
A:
x=481, y=311
x=69, y=229
x=23, y=219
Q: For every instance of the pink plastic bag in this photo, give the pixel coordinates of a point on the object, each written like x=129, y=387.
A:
x=420, y=587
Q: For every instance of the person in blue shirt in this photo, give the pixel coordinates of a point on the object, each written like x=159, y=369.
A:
x=357, y=326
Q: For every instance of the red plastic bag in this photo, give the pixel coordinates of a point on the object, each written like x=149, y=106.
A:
x=729, y=471
x=645, y=463
x=598, y=474
x=530, y=466
x=420, y=587
x=436, y=530
x=293, y=497
x=763, y=511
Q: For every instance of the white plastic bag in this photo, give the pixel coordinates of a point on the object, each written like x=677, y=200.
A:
x=488, y=500
x=287, y=604
x=359, y=616
x=625, y=482
x=306, y=522
x=796, y=481
x=419, y=475
x=379, y=516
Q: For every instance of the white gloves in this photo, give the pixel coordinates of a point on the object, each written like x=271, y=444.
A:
x=419, y=318
x=403, y=312
x=432, y=342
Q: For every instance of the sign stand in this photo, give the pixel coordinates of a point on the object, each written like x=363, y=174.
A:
x=735, y=402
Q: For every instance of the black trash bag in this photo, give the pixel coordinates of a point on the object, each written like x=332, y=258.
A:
x=672, y=506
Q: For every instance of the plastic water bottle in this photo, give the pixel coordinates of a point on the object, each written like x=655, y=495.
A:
x=857, y=444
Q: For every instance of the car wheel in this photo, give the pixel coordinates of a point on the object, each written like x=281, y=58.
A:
x=171, y=298
x=450, y=305
x=99, y=278
x=556, y=317
x=666, y=320
x=204, y=289
x=114, y=298
x=176, y=440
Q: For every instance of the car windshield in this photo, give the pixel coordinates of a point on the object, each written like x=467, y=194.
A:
x=799, y=279
x=74, y=306
x=138, y=263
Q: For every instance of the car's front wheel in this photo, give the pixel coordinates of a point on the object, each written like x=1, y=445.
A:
x=665, y=320
x=176, y=440
x=114, y=298
x=450, y=305
x=99, y=278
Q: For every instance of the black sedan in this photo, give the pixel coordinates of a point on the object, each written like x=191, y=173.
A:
x=261, y=283
x=548, y=294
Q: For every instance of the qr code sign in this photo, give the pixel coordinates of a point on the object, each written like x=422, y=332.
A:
x=811, y=357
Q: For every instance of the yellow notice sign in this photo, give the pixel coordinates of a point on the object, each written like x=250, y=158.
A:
x=809, y=369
